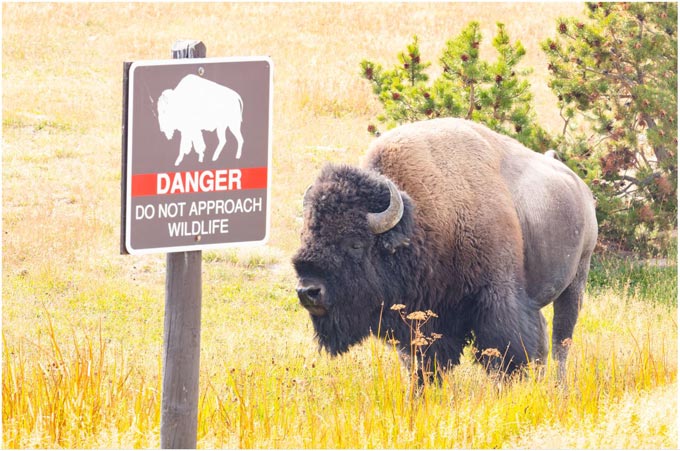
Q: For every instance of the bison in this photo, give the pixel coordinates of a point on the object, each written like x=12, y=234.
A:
x=448, y=216
x=197, y=104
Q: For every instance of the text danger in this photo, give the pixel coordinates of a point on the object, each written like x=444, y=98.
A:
x=206, y=181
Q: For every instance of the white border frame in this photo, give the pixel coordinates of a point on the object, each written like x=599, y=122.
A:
x=129, y=150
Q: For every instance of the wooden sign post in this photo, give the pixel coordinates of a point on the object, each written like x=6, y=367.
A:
x=195, y=175
x=182, y=329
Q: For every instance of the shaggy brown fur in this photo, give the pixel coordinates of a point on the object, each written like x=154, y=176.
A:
x=491, y=233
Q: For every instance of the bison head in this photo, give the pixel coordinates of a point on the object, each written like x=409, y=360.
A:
x=351, y=264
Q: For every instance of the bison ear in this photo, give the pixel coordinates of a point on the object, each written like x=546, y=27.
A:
x=399, y=235
x=395, y=241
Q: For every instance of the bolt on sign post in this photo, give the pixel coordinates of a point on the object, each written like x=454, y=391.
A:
x=195, y=175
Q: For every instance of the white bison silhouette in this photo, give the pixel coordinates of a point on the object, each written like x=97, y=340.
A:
x=198, y=104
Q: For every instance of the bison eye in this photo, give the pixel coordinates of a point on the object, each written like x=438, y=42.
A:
x=355, y=246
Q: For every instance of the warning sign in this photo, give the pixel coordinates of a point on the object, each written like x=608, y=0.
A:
x=198, y=154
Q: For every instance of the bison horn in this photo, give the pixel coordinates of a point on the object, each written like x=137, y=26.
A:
x=386, y=220
x=305, y=198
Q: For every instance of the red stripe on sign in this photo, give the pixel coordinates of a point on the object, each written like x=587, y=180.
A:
x=207, y=181
x=254, y=178
x=143, y=185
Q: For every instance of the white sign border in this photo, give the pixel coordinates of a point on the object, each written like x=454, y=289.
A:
x=128, y=169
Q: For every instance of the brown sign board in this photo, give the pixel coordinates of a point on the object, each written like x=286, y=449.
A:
x=198, y=154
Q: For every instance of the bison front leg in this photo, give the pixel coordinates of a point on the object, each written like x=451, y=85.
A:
x=184, y=148
x=198, y=143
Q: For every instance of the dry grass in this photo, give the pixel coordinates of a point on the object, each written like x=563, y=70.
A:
x=74, y=391
x=82, y=326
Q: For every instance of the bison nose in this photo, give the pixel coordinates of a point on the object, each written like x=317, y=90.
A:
x=311, y=298
x=310, y=295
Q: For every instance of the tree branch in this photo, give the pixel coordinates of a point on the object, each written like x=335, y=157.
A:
x=644, y=182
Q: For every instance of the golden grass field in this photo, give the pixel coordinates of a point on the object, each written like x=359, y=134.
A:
x=82, y=325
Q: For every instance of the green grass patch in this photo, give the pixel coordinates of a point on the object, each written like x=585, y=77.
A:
x=650, y=281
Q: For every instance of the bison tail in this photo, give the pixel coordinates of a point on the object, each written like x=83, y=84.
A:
x=551, y=153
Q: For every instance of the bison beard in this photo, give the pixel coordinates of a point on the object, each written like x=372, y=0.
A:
x=337, y=330
x=470, y=241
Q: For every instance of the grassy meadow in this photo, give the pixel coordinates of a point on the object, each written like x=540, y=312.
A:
x=82, y=325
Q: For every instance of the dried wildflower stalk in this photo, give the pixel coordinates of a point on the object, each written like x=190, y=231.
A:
x=420, y=342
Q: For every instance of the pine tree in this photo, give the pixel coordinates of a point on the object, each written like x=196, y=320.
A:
x=615, y=75
x=494, y=93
